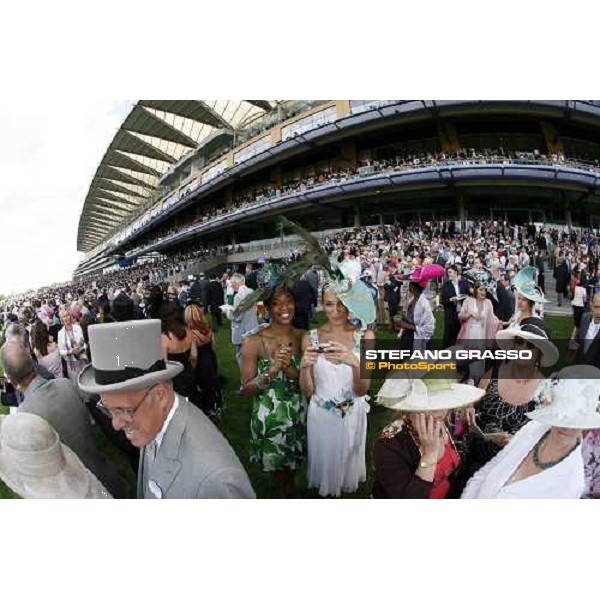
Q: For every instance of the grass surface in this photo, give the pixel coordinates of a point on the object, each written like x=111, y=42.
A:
x=235, y=423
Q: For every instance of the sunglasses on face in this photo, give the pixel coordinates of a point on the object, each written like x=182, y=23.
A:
x=519, y=341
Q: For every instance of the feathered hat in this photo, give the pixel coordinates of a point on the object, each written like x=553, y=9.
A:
x=355, y=295
x=421, y=275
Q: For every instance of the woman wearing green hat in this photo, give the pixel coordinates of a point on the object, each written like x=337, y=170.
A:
x=530, y=297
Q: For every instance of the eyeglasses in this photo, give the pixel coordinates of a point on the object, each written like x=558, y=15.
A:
x=519, y=341
x=122, y=413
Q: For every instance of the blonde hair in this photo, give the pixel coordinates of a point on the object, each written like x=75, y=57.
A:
x=196, y=320
x=64, y=313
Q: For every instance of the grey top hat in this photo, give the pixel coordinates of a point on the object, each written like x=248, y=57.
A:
x=126, y=356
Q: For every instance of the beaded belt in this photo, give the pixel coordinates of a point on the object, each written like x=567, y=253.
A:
x=339, y=408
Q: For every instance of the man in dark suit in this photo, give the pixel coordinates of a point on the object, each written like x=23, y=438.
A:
x=58, y=402
x=589, y=336
x=251, y=277
x=563, y=277
x=505, y=308
x=450, y=302
x=313, y=278
x=216, y=299
x=438, y=259
x=183, y=293
x=305, y=298
x=199, y=291
x=392, y=288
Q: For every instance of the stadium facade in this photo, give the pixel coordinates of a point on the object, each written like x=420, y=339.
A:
x=184, y=174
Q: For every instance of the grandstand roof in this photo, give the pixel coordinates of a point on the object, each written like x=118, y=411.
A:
x=155, y=135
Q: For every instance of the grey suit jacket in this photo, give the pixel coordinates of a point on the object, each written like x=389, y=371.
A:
x=194, y=461
x=244, y=322
x=58, y=402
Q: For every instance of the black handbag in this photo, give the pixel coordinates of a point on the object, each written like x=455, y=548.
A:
x=8, y=394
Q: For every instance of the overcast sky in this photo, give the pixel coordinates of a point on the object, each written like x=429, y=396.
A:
x=49, y=151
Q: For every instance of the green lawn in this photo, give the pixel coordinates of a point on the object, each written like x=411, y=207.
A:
x=235, y=424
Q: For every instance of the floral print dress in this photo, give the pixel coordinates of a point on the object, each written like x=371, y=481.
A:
x=278, y=422
x=591, y=462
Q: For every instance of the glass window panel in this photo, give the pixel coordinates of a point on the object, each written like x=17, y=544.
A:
x=309, y=123
x=360, y=106
x=252, y=149
x=214, y=171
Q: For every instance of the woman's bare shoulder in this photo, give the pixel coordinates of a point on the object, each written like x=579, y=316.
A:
x=369, y=334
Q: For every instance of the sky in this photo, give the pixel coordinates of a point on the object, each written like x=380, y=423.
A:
x=49, y=152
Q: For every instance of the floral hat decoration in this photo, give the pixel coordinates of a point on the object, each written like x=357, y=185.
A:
x=484, y=278
x=525, y=283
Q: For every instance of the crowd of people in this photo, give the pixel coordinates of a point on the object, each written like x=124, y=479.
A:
x=365, y=167
x=137, y=357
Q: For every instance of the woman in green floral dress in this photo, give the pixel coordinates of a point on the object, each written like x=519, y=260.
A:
x=270, y=361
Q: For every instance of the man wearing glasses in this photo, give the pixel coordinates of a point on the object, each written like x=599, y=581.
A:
x=183, y=454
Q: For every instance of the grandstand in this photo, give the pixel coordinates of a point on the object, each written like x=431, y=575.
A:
x=183, y=175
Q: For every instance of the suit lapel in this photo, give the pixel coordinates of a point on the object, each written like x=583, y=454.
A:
x=589, y=345
x=140, y=479
x=585, y=323
x=596, y=338
x=167, y=464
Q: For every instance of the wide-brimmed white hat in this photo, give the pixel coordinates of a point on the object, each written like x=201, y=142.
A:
x=126, y=356
x=425, y=395
x=533, y=330
x=35, y=465
x=574, y=399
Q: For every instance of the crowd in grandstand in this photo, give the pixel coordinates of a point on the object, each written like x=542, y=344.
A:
x=486, y=436
x=255, y=196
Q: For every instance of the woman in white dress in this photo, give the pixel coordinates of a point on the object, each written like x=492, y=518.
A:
x=479, y=325
x=544, y=458
x=337, y=414
x=477, y=318
x=71, y=346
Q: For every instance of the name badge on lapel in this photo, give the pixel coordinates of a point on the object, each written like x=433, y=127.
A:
x=154, y=489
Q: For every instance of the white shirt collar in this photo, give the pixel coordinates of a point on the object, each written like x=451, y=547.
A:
x=592, y=330
x=159, y=438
